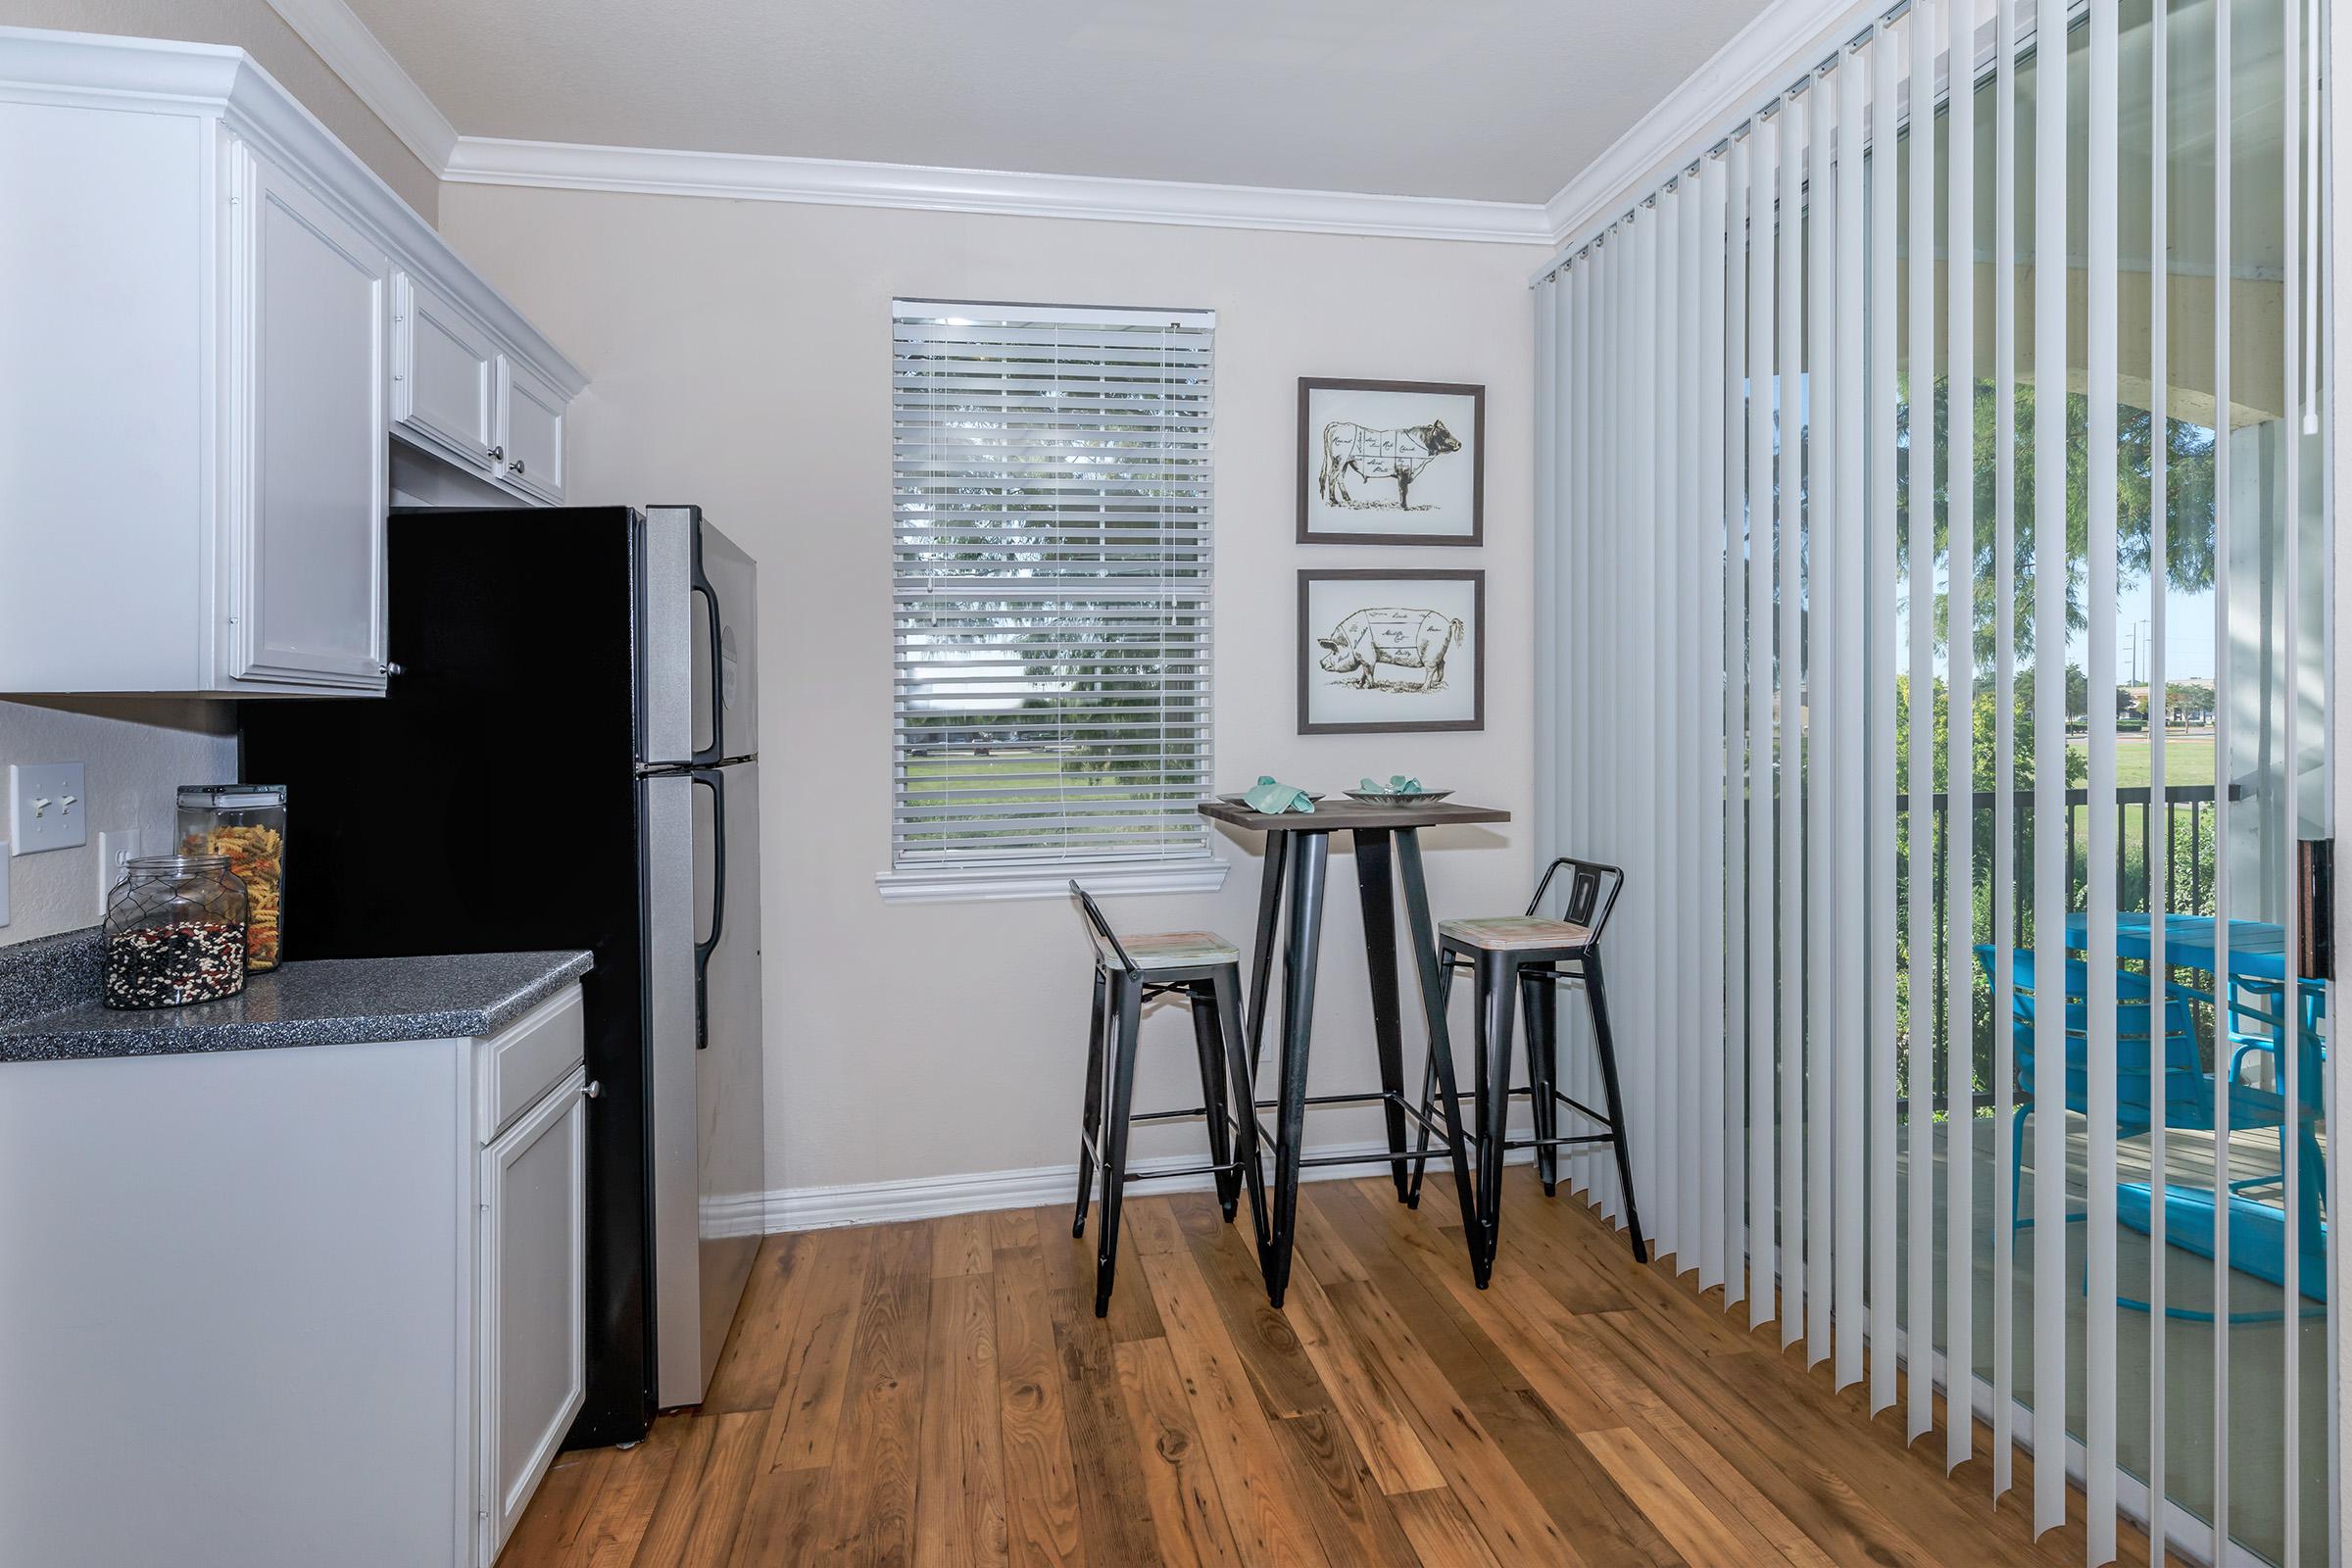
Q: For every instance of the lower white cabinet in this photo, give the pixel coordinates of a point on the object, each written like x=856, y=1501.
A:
x=530, y=1300
x=280, y=1307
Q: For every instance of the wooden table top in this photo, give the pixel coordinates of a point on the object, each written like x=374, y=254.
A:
x=1338, y=814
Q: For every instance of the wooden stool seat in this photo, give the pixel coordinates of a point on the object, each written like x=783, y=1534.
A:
x=1514, y=933
x=1179, y=950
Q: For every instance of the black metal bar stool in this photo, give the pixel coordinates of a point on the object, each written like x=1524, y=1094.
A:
x=1207, y=970
x=1530, y=957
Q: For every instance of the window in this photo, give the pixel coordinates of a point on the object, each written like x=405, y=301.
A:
x=1050, y=599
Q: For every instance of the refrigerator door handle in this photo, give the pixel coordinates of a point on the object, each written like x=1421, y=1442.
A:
x=714, y=781
x=701, y=584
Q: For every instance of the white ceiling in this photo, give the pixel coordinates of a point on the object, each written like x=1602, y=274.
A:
x=1496, y=100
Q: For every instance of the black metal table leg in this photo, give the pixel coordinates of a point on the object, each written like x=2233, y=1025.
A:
x=1302, y=951
x=1498, y=996
x=1269, y=917
x=1440, y=1048
x=1376, y=887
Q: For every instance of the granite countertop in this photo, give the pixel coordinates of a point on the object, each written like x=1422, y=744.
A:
x=49, y=1010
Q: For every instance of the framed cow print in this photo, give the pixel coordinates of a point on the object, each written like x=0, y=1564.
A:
x=1392, y=463
x=1391, y=653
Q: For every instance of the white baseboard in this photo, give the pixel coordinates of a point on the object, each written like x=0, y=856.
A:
x=808, y=1208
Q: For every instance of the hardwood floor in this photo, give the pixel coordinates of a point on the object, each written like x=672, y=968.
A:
x=940, y=1392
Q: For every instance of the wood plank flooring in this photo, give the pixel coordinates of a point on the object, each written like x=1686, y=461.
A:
x=940, y=1392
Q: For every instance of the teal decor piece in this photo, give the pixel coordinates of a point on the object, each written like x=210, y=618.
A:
x=1275, y=799
x=1397, y=784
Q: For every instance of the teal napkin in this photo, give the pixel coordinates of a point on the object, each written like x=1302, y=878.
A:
x=1397, y=784
x=1275, y=799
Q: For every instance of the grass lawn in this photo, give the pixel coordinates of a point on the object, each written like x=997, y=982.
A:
x=2187, y=759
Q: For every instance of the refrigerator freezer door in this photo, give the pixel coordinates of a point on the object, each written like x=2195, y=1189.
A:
x=709, y=1120
x=725, y=649
x=698, y=626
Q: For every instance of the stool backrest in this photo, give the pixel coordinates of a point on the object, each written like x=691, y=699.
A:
x=1107, y=949
x=1591, y=892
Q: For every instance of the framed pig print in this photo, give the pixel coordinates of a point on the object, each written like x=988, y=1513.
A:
x=1389, y=652
x=1392, y=463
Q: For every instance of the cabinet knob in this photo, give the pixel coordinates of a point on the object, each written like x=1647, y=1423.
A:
x=516, y=467
x=498, y=454
x=593, y=1090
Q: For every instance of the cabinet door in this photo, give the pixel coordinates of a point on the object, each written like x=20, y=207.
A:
x=308, y=480
x=531, y=1318
x=443, y=372
x=531, y=431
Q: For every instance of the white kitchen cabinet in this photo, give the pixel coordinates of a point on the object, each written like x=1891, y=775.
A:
x=530, y=424
x=443, y=368
x=224, y=320
x=285, y=1306
x=308, y=465
x=531, y=1301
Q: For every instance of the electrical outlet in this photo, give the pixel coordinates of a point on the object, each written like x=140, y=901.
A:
x=47, y=807
x=115, y=846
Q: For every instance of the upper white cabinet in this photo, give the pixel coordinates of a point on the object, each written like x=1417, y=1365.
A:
x=220, y=320
x=530, y=425
x=306, y=460
x=442, y=368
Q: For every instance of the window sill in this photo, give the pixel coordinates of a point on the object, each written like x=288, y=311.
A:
x=1102, y=878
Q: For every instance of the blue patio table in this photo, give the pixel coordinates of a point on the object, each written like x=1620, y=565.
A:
x=2257, y=1230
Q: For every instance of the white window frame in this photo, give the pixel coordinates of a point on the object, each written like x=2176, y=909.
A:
x=946, y=878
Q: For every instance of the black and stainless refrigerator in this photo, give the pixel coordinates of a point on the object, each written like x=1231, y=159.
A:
x=567, y=756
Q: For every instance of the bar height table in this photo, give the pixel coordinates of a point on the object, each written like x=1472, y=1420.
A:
x=1299, y=843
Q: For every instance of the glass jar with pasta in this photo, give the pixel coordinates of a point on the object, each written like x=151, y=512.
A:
x=247, y=823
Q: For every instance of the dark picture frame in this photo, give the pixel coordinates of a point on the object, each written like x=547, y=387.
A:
x=1382, y=466
x=1314, y=647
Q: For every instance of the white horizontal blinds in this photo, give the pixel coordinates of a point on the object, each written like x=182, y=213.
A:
x=2100, y=1055
x=1919, y=886
x=1849, y=765
x=1960, y=658
x=1886, y=395
x=1788, y=795
x=1712, y=392
x=1762, y=1207
x=1739, y=160
x=2050, y=870
x=1051, y=586
x=2005, y=734
x=1821, y=606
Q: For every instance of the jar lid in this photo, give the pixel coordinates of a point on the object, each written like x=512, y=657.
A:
x=173, y=864
x=232, y=796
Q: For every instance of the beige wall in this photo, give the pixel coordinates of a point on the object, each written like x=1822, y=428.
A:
x=740, y=358
x=261, y=32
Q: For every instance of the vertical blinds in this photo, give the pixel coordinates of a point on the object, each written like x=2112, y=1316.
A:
x=1050, y=605
x=1807, y=534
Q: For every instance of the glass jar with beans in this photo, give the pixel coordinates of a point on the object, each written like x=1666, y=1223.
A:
x=174, y=932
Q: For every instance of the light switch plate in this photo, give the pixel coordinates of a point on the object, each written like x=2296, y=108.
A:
x=116, y=845
x=47, y=809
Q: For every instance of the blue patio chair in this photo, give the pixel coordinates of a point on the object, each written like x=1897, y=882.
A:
x=2185, y=1090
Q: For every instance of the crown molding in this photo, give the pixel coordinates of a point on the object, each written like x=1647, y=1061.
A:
x=354, y=53
x=1757, y=62
x=825, y=181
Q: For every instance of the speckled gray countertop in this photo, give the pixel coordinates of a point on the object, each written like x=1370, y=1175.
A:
x=49, y=1012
